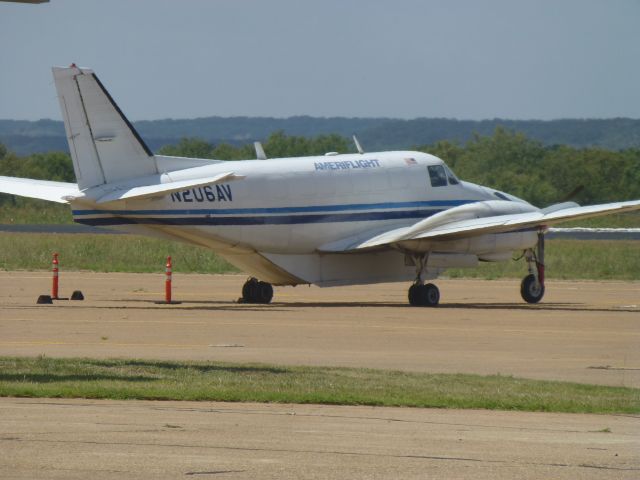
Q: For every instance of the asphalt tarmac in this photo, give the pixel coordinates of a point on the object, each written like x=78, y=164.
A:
x=586, y=332
x=80, y=439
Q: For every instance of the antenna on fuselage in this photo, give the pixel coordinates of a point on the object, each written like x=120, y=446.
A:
x=260, y=155
x=358, y=146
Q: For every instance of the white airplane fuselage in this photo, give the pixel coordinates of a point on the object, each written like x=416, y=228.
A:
x=296, y=206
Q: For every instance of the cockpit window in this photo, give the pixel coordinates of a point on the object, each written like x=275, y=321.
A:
x=438, y=176
x=453, y=180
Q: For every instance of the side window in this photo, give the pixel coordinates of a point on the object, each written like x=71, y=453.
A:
x=438, y=176
x=452, y=178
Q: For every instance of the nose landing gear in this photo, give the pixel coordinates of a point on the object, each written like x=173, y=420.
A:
x=532, y=286
x=420, y=294
x=255, y=291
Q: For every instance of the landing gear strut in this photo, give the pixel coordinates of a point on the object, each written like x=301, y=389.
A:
x=255, y=291
x=420, y=294
x=532, y=286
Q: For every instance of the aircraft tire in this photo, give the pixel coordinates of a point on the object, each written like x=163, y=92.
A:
x=250, y=290
x=430, y=295
x=530, y=290
x=254, y=291
x=415, y=299
x=424, y=295
x=264, y=292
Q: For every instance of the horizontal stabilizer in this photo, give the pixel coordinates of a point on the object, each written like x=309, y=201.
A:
x=40, y=189
x=147, y=191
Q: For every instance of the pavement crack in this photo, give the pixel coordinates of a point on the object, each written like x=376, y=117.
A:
x=609, y=367
x=215, y=472
x=603, y=467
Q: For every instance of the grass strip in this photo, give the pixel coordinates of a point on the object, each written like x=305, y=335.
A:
x=215, y=381
x=31, y=211
x=570, y=260
x=565, y=259
x=106, y=253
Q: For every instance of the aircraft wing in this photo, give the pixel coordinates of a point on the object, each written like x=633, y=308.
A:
x=40, y=189
x=480, y=226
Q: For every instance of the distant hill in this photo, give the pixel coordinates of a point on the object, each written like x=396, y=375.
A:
x=26, y=137
x=612, y=134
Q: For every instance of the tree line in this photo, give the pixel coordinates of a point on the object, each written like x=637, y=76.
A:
x=505, y=160
x=27, y=137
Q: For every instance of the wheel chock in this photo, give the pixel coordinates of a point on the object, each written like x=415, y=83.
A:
x=77, y=295
x=44, y=300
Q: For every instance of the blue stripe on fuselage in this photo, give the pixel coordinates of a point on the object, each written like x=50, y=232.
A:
x=283, y=210
x=261, y=220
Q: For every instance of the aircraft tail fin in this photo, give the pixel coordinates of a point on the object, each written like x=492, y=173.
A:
x=104, y=146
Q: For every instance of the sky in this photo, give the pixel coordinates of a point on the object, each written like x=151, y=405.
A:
x=464, y=59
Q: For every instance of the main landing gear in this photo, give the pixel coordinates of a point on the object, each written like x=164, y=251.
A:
x=532, y=286
x=420, y=294
x=255, y=291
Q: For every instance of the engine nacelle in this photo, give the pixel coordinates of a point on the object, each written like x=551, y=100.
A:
x=471, y=211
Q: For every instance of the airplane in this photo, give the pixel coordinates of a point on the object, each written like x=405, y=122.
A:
x=327, y=220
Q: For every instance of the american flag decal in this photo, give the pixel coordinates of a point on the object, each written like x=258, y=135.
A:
x=410, y=161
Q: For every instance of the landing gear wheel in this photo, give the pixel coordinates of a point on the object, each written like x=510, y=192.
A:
x=430, y=295
x=415, y=297
x=249, y=290
x=531, y=290
x=424, y=295
x=254, y=291
x=264, y=292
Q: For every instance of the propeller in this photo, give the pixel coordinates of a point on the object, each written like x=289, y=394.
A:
x=565, y=202
x=573, y=194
